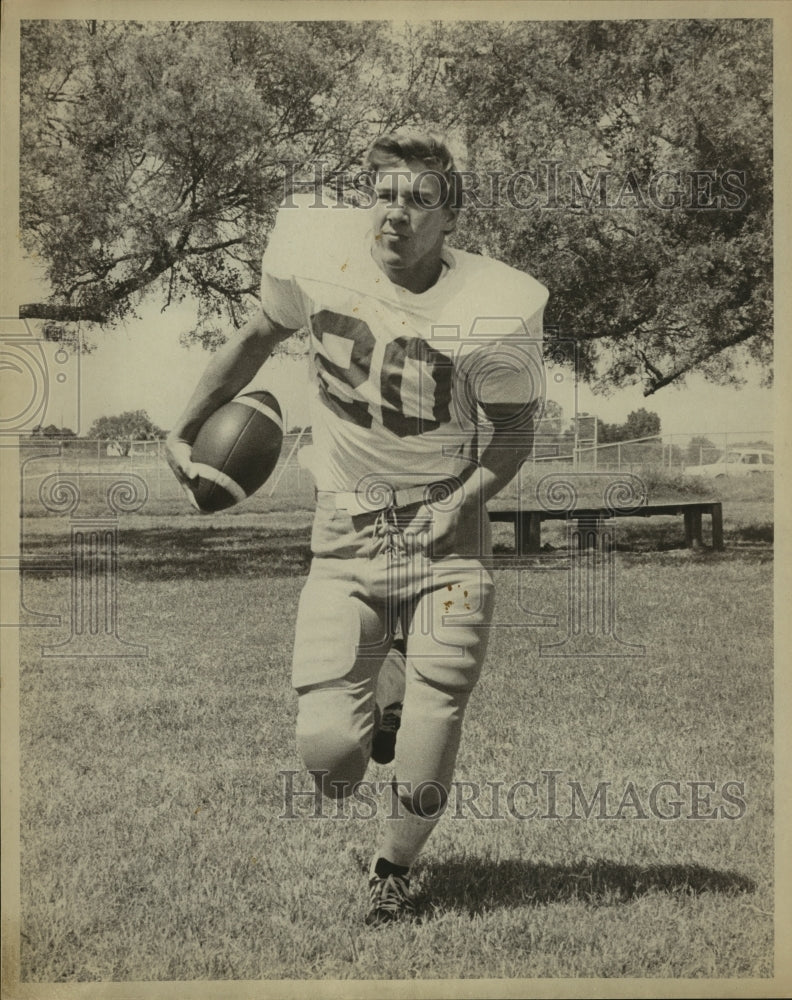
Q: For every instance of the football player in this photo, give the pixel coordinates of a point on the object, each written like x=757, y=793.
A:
x=426, y=374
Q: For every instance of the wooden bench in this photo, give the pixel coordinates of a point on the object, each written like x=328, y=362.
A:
x=528, y=523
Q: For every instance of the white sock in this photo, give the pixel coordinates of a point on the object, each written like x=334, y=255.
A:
x=405, y=835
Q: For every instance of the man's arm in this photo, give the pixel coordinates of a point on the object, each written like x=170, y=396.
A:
x=510, y=445
x=504, y=386
x=233, y=366
x=498, y=462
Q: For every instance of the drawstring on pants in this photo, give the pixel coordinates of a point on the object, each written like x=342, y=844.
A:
x=387, y=526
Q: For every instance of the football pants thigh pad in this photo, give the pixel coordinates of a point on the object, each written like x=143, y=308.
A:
x=334, y=732
x=340, y=644
x=444, y=662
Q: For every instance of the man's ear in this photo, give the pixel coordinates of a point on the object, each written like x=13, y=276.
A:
x=451, y=219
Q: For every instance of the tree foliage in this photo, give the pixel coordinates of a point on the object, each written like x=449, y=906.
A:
x=124, y=428
x=640, y=423
x=700, y=451
x=599, y=111
x=551, y=418
x=52, y=431
x=153, y=156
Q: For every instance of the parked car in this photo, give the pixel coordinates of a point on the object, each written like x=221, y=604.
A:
x=736, y=462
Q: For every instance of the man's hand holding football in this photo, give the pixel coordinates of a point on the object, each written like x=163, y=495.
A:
x=178, y=455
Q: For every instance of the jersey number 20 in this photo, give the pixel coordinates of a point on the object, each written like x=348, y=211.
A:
x=414, y=385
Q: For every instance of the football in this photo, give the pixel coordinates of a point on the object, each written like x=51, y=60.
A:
x=236, y=450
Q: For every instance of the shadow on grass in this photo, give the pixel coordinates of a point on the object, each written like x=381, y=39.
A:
x=630, y=538
x=752, y=533
x=208, y=552
x=198, y=553
x=665, y=538
x=477, y=886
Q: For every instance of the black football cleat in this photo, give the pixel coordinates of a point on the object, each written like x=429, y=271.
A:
x=389, y=900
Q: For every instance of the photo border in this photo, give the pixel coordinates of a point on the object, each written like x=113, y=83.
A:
x=15, y=10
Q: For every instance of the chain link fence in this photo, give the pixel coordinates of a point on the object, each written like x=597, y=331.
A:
x=685, y=453
x=41, y=457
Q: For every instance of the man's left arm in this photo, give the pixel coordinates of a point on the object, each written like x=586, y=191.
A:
x=503, y=385
x=510, y=445
x=506, y=384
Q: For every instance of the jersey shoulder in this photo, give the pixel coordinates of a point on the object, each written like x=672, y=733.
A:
x=315, y=238
x=495, y=300
x=498, y=289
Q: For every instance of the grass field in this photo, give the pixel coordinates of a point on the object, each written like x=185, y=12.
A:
x=152, y=846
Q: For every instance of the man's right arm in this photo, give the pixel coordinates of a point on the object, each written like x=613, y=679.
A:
x=232, y=368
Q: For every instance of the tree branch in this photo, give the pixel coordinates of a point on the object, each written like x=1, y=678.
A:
x=211, y=247
x=99, y=311
x=657, y=380
x=61, y=311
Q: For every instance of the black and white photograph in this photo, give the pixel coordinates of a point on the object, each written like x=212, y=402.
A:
x=390, y=599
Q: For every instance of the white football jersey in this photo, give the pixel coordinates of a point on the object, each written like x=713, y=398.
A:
x=389, y=399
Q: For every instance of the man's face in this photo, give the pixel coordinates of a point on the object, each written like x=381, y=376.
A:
x=410, y=224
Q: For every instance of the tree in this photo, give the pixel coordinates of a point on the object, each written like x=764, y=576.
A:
x=548, y=430
x=153, y=156
x=551, y=418
x=639, y=424
x=675, y=456
x=635, y=161
x=701, y=451
x=51, y=431
x=642, y=424
x=132, y=425
x=609, y=122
